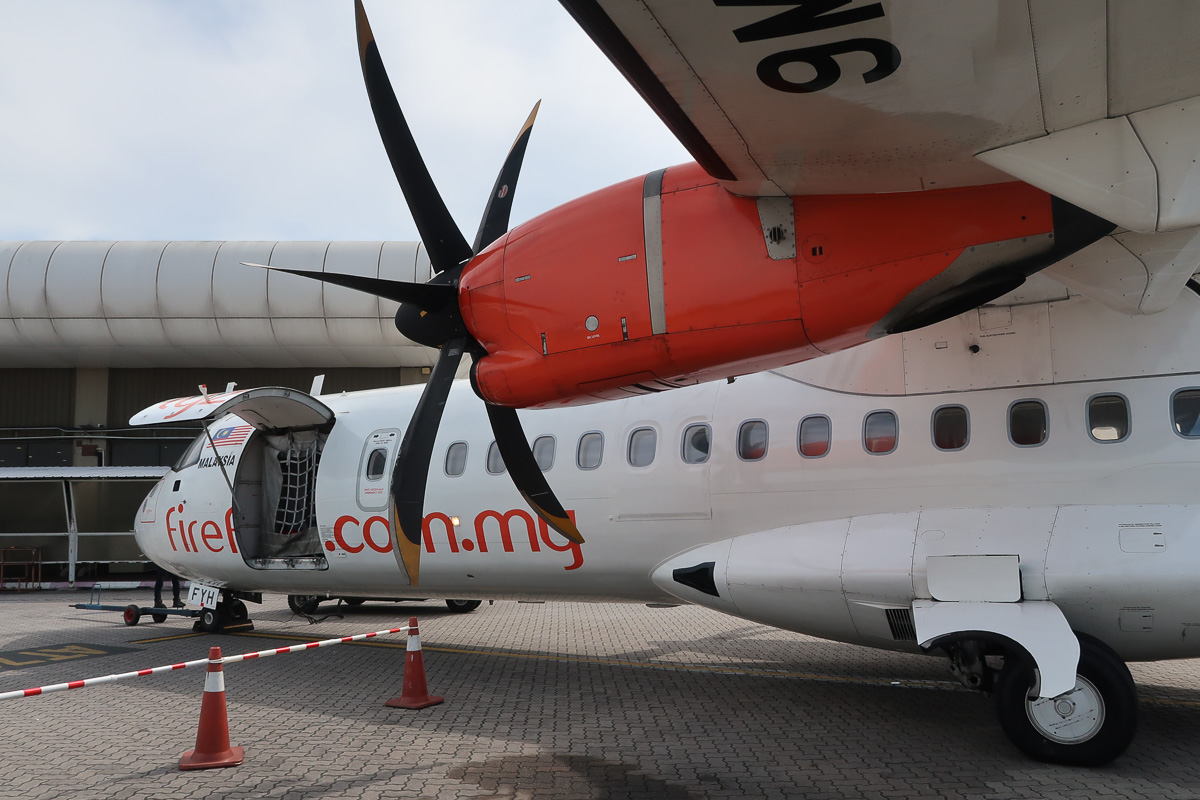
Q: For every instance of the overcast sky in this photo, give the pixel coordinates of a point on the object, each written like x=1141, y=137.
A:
x=236, y=119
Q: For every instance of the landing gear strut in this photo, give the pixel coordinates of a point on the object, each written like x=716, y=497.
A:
x=1088, y=726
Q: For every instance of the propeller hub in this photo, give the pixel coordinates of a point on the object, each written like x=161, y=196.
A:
x=430, y=328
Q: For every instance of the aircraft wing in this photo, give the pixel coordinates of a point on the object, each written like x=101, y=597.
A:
x=839, y=97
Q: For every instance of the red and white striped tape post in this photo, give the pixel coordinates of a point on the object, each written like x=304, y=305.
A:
x=278, y=651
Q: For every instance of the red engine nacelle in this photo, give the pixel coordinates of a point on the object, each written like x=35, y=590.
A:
x=669, y=279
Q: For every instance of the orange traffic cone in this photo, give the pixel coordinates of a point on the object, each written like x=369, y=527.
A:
x=212, y=737
x=414, y=694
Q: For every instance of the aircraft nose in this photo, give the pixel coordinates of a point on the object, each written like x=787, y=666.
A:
x=146, y=518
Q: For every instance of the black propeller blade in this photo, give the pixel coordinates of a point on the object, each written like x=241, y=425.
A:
x=525, y=472
x=411, y=472
x=430, y=313
x=431, y=297
x=442, y=238
x=495, y=215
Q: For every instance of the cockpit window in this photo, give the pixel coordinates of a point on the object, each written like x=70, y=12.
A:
x=191, y=455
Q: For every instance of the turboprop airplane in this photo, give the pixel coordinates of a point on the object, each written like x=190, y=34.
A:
x=965, y=478
x=1012, y=488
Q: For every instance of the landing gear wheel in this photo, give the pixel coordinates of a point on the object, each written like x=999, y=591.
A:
x=303, y=603
x=236, y=610
x=354, y=601
x=1088, y=726
x=210, y=620
x=132, y=614
x=158, y=617
x=463, y=606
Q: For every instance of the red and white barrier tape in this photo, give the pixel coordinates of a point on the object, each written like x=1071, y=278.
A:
x=278, y=651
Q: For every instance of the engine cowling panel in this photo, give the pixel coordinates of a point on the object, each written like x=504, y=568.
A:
x=669, y=280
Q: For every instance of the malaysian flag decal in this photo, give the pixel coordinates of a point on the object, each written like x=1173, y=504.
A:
x=230, y=437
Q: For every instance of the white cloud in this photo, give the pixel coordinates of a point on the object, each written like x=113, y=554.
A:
x=151, y=119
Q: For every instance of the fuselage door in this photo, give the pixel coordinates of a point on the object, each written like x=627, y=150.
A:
x=375, y=469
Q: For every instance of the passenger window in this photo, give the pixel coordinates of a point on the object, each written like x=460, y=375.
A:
x=879, y=432
x=1185, y=410
x=813, y=437
x=752, y=440
x=456, y=459
x=642, y=443
x=591, y=450
x=1028, y=423
x=1108, y=418
x=543, y=452
x=376, y=463
x=951, y=428
x=697, y=443
x=495, y=462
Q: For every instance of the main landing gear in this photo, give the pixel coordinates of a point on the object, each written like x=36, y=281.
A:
x=229, y=616
x=1088, y=726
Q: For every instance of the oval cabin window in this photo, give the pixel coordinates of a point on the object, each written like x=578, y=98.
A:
x=814, y=436
x=376, y=463
x=543, y=452
x=642, y=444
x=1108, y=418
x=950, y=428
x=752, y=440
x=879, y=432
x=495, y=462
x=456, y=459
x=1028, y=423
x=1185, y=411
x=697, y=443
x=591, y=450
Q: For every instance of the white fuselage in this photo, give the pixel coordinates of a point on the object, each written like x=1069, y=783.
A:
x=823, y=545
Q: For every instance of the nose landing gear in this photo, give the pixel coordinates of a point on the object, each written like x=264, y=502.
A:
x=230, y=615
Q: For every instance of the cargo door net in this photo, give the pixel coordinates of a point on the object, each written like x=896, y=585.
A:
x=276, y=487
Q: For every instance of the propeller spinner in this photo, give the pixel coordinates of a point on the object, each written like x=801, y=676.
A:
x=430, y=314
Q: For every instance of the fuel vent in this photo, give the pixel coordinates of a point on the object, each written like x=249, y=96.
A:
x=901, y=622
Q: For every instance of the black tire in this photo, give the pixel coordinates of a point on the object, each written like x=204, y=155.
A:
x=1103, y=706
x=210, y=620
x=463, y=606
x=354, y=601
x=304, y=603
x=236, y=610
x=158, y=617
x=132, y=614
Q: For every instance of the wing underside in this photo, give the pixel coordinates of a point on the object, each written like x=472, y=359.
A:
x=839, y=97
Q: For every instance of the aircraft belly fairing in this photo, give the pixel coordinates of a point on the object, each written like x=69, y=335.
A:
x=1115, y=572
